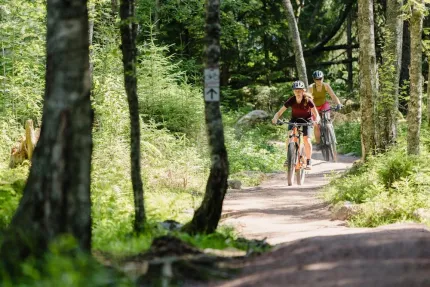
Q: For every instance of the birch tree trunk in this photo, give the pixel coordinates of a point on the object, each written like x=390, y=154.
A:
x=56, y=198
x=428, y=93
x=207, y=216
x=368, y=81
x=390, y=86
x=415, y=98
x=128, y=40
x=295, y=35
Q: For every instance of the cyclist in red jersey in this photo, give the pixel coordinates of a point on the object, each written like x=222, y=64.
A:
x=319, y=89
x=303, y=108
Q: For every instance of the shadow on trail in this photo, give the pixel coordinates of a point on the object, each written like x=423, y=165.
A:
x=395, y=255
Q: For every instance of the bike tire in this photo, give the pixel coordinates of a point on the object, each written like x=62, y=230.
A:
x=324, y=143
x=332, y=146
x=291, y=162
x=300, y=173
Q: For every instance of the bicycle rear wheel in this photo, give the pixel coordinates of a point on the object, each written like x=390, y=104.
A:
x=332, y=143
x=291, y=162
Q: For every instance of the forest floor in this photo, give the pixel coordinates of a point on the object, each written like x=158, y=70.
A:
x=313, y=250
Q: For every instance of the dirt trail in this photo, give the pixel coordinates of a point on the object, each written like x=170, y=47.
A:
x=282, y=213
x=315, y=250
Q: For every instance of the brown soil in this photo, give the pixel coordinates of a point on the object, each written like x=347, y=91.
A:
x=314, y=250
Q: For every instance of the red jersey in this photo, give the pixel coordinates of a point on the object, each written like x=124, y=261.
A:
x=302, y=110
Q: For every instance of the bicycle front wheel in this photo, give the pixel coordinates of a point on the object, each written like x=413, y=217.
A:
x=291, y=162
x=325, y=143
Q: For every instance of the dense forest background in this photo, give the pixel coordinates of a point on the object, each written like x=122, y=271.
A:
x=257, y=67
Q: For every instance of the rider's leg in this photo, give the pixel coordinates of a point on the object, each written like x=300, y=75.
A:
x=317, y=133
x=308, y=147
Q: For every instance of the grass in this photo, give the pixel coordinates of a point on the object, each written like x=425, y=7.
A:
x=389, y=187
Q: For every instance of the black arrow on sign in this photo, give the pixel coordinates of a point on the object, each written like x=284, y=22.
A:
x=212, y=92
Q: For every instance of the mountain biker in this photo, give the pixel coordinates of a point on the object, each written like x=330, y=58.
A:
x=319, y=89
x=303, y=108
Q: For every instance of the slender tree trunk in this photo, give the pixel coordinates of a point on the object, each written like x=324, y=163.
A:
x=368, y=81
x=295, y=35
x=406, y=61
x=56, y=198
x=389, y=87
x=415, y=98
x=207, y=216
x=349, y=52
x=128, y=40
x=157, y=15
x=266, y=44
x=428, y=92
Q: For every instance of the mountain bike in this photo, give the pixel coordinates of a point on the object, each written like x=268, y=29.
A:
x=296, y=157
x=328, y=137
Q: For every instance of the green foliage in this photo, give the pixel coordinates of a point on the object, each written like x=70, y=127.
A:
x=390, y=187
x=178, y=107
x=65, y=265
x=12, y=184
x=348, y=137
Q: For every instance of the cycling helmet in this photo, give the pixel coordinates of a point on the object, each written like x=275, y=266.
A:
x=298, y=85
x=317, y=75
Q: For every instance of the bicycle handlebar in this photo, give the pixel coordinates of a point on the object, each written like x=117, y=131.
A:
x=282, y=122
x=332, y=108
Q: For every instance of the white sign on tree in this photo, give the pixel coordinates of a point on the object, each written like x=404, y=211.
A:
x=212, y=85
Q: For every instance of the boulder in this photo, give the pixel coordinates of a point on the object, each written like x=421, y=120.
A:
x=234, y=184
x=346, y=211
x=253, y=118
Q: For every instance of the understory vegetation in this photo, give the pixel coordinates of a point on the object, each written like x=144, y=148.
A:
x=389, y=187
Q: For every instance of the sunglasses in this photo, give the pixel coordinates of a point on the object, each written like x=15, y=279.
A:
x=318, y=79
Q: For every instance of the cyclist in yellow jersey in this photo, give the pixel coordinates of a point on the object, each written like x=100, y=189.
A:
x=319, y=89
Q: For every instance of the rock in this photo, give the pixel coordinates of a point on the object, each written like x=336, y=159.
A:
x=346, y=211
x=422, y=214
x=171, y=225
x=252, y=118
x=350, y=154
x=234, y=184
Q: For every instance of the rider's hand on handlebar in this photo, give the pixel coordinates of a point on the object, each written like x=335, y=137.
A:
x=275, y=119
x=339, y=107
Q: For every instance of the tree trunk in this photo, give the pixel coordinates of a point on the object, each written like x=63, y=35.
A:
x=368, y=81
x=389, y=86
x=56, y=198
x=404, y=70
x=349, y=53
x=298, y=51
x=428, y=92
x=128, y=41
x=414, y=106
x=207, y=216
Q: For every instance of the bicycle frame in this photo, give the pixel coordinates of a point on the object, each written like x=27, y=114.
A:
x=295, y=136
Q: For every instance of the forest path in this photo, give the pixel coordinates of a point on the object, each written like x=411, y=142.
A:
x=282, y=213
x=314, y=250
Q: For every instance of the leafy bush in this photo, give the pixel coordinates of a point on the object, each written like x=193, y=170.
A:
x=348, y=137
x=390, y=187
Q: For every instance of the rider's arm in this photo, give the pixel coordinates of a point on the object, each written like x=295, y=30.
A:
x=278, y=114
x=332, y=94
x=316, y=114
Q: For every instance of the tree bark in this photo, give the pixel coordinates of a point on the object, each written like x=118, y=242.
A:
x=128, y=41
x=406, y=61
x=390, y=87
x=207, y=216
x=56, y=198
x=428, y=92
x=349, y=52
x=368, y=81
x=295, y=35
x=415, y=98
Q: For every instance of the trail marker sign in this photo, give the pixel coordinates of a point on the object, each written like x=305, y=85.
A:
x=212, y=85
